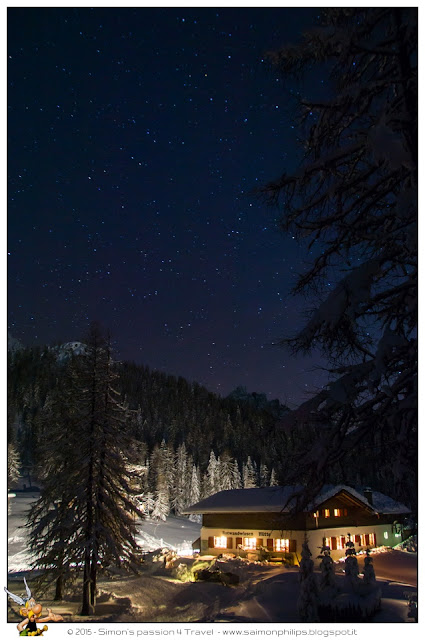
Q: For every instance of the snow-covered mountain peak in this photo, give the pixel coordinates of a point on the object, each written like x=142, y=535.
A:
x=69, y=349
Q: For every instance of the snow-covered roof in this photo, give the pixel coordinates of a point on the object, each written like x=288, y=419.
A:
x=279, y=499
x=384, y=504
x=331, y=490
x=266, y=499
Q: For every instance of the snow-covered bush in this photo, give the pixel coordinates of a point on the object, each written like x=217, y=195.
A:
x=327, y=583
x=307, y=603
x=351, y=567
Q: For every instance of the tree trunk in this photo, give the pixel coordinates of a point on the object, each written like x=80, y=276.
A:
x=93, y=580
x=86, y=607
x=59, y=589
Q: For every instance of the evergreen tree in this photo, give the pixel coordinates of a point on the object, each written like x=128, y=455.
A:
x=307, y=603
x=210, y=485
x=327, y=568
x=162, y=464
x=195, y=492
x=273, y=479
x=264, y=476
x=225, y=472
x=351, y=567
x=146, y=501
x=235, y=476
x=368, y=570
x=84, y=515
x=13, y=464
x=249, y=475
x=182, y=478
x=353, y=202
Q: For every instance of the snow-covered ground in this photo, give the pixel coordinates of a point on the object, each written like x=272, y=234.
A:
x=175, y=533
x=265, y=593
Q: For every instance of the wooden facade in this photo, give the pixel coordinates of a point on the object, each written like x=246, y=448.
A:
x=279, y=535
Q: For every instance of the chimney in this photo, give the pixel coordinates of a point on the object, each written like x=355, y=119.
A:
x=367, y=492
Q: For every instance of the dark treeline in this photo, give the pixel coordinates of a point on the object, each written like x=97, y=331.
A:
x=172, y=409
x=161, y=408
x=169, y=412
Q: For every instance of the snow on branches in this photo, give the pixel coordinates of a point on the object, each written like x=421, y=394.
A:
x=353, y=201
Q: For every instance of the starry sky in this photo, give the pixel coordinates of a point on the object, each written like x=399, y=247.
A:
x=136, y=140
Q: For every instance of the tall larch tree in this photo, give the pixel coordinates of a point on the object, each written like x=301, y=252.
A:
x=87, y=498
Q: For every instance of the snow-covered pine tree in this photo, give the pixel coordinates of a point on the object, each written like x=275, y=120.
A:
x=368, y=570
x=327, y=583
x=162, y=463
x=84, y=516
x=182, y=477
x=13, y=464
x=236, y=480
x=210, y=484
x=351, y=568
x=273, y=479
x=249, y=475
x=353, y=202
x=264, y=475
x=195, y=492
x=56, y=538
x=224, y=471
x=161, y=499
x=146, y=502
x=307, y=603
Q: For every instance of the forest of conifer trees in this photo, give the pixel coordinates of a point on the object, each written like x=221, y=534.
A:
x=186, y=442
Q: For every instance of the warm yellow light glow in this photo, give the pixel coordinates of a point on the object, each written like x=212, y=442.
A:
x=250, y=543
x=282, y=545
x=327, y=513
x=340, y=542
x=337, y=512
x=220, y=542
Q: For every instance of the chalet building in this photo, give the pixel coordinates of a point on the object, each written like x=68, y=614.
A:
x=254, y=521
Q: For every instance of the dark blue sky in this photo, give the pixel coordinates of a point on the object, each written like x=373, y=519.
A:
x=136, y=138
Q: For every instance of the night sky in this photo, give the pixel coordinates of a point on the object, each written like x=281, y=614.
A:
x=136, y=139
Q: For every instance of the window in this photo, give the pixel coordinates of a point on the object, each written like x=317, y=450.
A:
x=386, y=535
x=368, y=540
x=250, y=543
x=282, y=544
x=220, y=542
x=316, y=514
x=327, y=513
x=327, y=542
x=340, y=542
x=337, y=513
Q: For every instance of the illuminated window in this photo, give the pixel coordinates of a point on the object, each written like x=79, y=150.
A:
x=386, y=535
x=220, y=542
x=282, y=545
x=316, y=514
x=368, y=539
x=340, y=542
x=337, y=513
x=250, y=543
x=327, y=513
x=328, y=542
